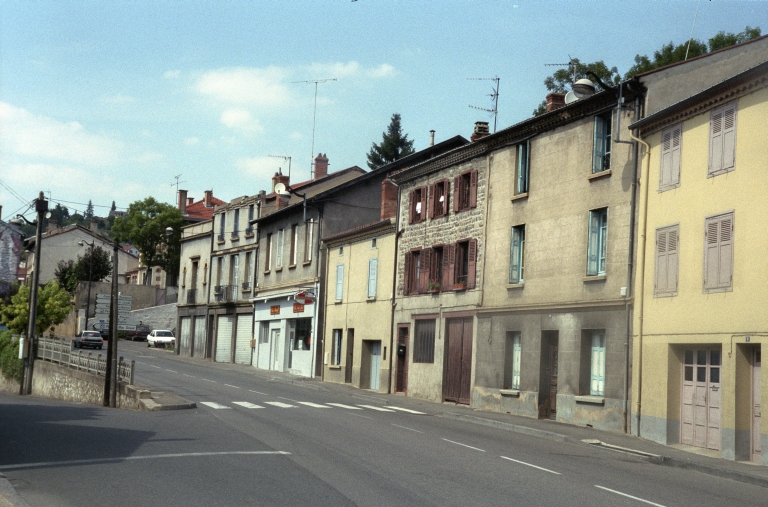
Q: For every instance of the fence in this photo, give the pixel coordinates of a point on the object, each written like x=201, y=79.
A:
x=59, y=350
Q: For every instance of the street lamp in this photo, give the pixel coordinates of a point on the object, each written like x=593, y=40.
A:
x=90, y=276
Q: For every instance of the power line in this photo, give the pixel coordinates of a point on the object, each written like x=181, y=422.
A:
x=13, y=192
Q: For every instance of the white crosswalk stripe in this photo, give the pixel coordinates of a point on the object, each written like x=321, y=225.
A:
x=215, y=405
x=313, y=405
x=408, y=410
x=341, y=405
x=279, y=404
x=246, y=404
x=373, y=407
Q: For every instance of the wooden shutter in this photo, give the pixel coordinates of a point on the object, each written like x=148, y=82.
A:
x=407, y=273
x=425, y=259
x=729, y=136
x=473, y=189
x=456, y=193
x=423, y=213
x=666, y=260
x=725, y=251
x=716, y=141
x=411, y=205
x=431, y=200
x=373, y=268
x=670, y=157
x=718, y=252
x=514, y=256
x=449, y=265
x=446, y=194
x=471, y=263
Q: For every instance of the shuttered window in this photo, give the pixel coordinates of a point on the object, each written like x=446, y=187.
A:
x=464, y=258
x=373, y=268
x=279, y=255
x=597, y=364
x=465, y=191
x=722, y=139
x=597, y=247
x=601, y=160
x=667, y=255
x=671, y=140
x=438, y=199
x=339, y=281
x=523, y=163
x=718, y=253
x=517, y=254
x=417, y=208
x=424, y=341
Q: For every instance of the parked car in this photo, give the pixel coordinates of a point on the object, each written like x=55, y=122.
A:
x=140, y=333
x=88, y=339
x=160, y=338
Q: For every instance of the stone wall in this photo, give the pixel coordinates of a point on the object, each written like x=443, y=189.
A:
x=157, y=317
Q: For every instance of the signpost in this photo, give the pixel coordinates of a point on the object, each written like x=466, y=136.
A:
x=304, y=297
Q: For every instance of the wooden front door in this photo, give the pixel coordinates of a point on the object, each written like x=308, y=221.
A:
x=401, y=375
x=701, y=398
x=756, y=405
x=548, y=375
x=458, y=375
x=350, y=355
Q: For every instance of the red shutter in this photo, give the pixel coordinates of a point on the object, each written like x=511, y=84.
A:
x=431, y=206
x=411, y=205
x=426, y=261
x=449, y=261
x=473, y=189
x=456, y=193
x=407, y=273
x=446, y=195
x=471, y=263
x=423, y=214
x=729, y=136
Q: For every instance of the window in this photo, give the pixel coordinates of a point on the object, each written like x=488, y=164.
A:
x=236, y=225
x=464, y=264
x=718, y=253
x=279, y=254
x=268, y=254
x=722, y=139
x=222, y=224
x=373, y=268
x=234, y=274
x=669, y=175
x=417, y=208
x=339, y=281
x=249, y=229
x=597, y=364
x=517, y=255
x=601, y=160
x=264, y=332
x=294, y=243
x=424, y=341
x=465, y=191
x=341, y=251
x=184, y=277
x=512, y=361
x=523, y=163
x=598, y=229
x=667, y=241
x=373, y=243
x=436, y=269
x=336, y=348
x=438, y=199
x=247, y=275
x=308, y=230
x=412, y=273
x=219, y=270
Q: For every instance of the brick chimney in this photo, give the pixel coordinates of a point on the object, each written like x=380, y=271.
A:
x=321, y=166
x=388, y=200
x=190, y=200
x=208, y=199
x=279, y=177
x=94, y=226
x=481, y=130
x=555, y=101
x=183, y=202
x=52, y=225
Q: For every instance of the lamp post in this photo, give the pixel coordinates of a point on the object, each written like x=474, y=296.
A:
x=90, y=276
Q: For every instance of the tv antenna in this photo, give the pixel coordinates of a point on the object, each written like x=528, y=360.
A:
x=494, y=96
x=284, y=158
x=572, y=64
x=314, y=121
x=177, y=183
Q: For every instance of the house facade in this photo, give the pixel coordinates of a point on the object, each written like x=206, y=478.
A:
x=10, y=256
x=194, y=290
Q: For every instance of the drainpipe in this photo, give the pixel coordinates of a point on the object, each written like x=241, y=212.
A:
x=392, y=342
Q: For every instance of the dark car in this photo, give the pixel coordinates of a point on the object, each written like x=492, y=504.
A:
x=88, y=339
x=140, y=333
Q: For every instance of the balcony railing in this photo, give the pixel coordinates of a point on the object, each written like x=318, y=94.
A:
x=246, y=286
x=220, y=238
x=249, y=231
x=225, y=293
x=191, y=296
x=235, y=234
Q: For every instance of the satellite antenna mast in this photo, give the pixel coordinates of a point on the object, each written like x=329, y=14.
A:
x=494, y=96
x=284, y=158
x=177, y=183
x=314, y=120
x=572, y=63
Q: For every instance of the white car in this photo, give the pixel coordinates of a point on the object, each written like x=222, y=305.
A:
x=160, y=338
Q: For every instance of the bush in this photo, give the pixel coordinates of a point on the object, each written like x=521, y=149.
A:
x=10, y=364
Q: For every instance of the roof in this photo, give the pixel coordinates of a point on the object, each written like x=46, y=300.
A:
x=71, y=228
x=360, y=229
x=198, y=211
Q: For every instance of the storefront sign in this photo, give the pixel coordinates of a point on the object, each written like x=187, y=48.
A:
x=305, y=297
x=298, y=308
x=274, y=310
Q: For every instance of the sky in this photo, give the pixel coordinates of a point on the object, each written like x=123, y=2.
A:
x=113, y=100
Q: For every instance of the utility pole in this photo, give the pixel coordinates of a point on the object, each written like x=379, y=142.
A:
x=110, y=374
x=314, y=121
x=90, y=277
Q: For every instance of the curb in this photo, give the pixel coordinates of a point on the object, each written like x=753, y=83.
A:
x=8, y=495
x=152, y=406
x=525, y=430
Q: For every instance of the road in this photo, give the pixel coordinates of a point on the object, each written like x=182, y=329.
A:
x=264, y=438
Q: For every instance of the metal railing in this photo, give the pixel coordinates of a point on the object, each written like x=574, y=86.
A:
x=246, y=286
x=225, y=293
x=59, y=350
x=191, y=296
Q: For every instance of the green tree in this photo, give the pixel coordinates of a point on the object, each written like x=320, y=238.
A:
x=144, y=226
x=394, y=145
x=562, y=79
x=724, y=40
x=53, y=305
x=89, y=210
x=66, y=276
x=60, y=214
x=99, y=270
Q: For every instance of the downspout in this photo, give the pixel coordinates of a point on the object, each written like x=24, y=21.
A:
x=324, y=290
x=392, y=343
x=256, y=285
x=320, y=284
x=208, y=341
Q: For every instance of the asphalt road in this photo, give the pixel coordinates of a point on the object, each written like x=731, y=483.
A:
x=260, y=438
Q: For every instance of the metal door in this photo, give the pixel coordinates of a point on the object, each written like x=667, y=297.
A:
x=243, y=339
x=553, y=354
x=701, y=399
x=459, y=365
x=186, y=324
x=199, y=337
x=401, y=376
x=756, y=404
x=375, y=364
x=274, y=343
x=224, y=339
x=350, y=356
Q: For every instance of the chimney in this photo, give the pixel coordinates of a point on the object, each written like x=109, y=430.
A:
x=183, y=201
x=190, y=200
x=94, y=226
x=321, y=166
x=555, y=101
x=481, y=130
x=431, y=137
x=388, y=200
x=208, y=199
x=282, y=200
x=52, y=225
x=279, y=177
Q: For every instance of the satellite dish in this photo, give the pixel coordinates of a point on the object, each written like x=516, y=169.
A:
x=570, y=97
x=280, y=189
x=583, y=88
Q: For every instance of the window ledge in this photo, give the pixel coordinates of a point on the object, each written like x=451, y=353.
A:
x=249, y=235
x=234, y=238
x=509, y=392
x=267, y=272
x=371, y=299
x=338, y=301
x=668, y=187
x=601, y=174
x=665, y=295
x=246, y=290
x=595, y=400
x=719, y=172
x=595, y=278
x=334, y=367
x=519, y=197
x=516, y=285
x=307, y=263
x=220, y=241
x=277, y=270
x=292, y=266
x=715, y=291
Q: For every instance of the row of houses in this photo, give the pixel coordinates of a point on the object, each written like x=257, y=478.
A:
x=582, y=265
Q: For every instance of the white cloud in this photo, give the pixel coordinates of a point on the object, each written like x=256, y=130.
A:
x=148, y=157
x=382, y=71
x=31, y=135
x=118, y=99
x=240, y=119
x=262, y=168
x=172, y=74
x=192, y=141
x=258, y=87
x=334, y=70
x=296, y=135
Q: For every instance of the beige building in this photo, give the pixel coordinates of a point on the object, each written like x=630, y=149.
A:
x=194, y=290
x=702, y=281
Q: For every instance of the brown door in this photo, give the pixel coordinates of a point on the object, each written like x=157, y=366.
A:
x=548, y=372
x=756, y=405
x=553, y=350
x=459, y=365
x=401, y=375
x=350, y=355
x=701, y=399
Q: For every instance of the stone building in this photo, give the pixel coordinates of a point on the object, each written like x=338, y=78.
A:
x=195, y=259
x=10, y=256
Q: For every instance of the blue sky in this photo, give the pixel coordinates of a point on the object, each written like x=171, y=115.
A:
x=110, y=100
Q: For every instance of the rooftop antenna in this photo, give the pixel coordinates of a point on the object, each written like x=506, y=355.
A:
x=494, y=96
x=314, y=120
x=177, y=183
x=692, y=27
x=284, y=158
x=572, y=63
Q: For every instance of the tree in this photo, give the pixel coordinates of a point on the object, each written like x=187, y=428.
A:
x=113, y=208
x=53, y=305
x=60, y=214
x=562, y=79
x=144, y=226
x=394, y=145
x=724, y=40
x=89, y=210
x=65, y=275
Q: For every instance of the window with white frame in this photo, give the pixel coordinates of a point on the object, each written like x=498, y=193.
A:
x=294, y=243
x=517, y=255
x=522, y=168
x=279, y=254
x=339, y=281
x=373, y=268
x=601, y=160
x=597, y=364
x=308, y=231
x=722, y=139
x=597, y=246
x=336, y=348
x=512, y=361
x=236, y=223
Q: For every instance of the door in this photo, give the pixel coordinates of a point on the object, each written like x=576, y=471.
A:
x=375, y=364
x=199, y=337
x=350, y=356
x=243, y=339
x=756, y=405
x=186, y=324
x=701, y=398
x=459, y=365
x=274, y=343
x=224, y=339
x=401, y=375
x=553, y=354
x=548, y=374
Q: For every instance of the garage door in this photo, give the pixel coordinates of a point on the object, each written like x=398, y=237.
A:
x=186, y=324
x=199, y=337
x=243, y=339
x=224, y=339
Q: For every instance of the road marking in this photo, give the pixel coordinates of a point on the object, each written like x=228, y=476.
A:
x=230, y=385
x=630, y=496
x=153, y=366
x=374, y=407
x=131, y=458
x=257, y=392
x=532, y=466
x=406, y=428
x=408, y=410
x=464, y=445
x=209, y=380
x=341, y=405
x=278, y=404
x=186, y=375
x=310, y=404
x=360, y=415
x=171, y=371
x=213, y=404
x=246, y=404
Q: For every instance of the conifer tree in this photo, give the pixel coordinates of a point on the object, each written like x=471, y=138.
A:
x=394, y=145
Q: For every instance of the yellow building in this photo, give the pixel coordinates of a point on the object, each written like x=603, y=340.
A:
x=702, y=280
